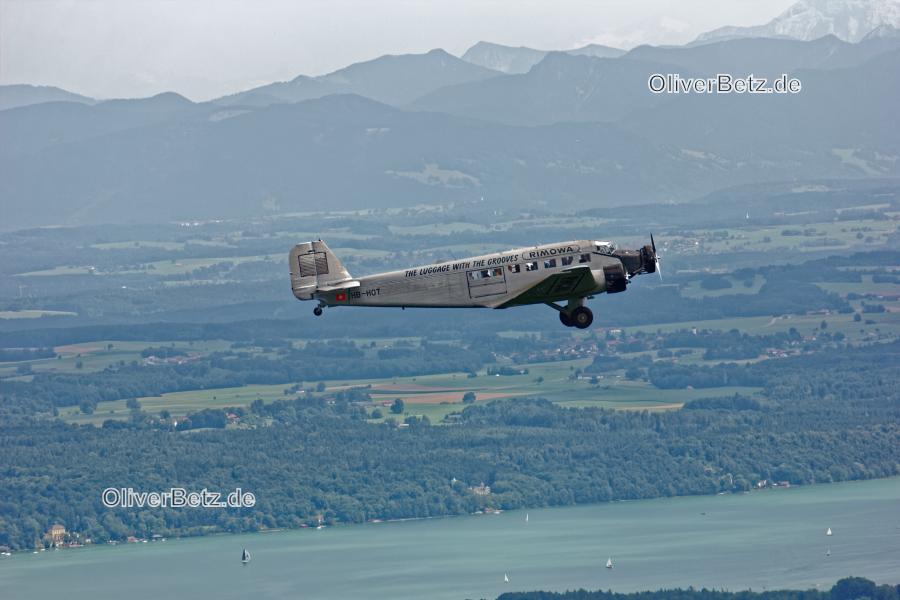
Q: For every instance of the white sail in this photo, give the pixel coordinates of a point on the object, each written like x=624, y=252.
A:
x=828, y=532
x=245, y=556
x=609, y=564
x=526, y=517
x=506, y=578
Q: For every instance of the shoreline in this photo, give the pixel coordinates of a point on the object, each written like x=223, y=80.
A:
x=343, y=526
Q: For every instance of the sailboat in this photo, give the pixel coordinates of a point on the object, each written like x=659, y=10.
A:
x=526, y=517
x=828, y=552
x=828, y=532
x=245, y=556
x=506, y=578
x=609, y=564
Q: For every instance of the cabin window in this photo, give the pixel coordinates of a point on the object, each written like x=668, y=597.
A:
x=474, y=275
x=584, y=258
x=531, y=266
x=515, y=268
x=549, y=264
x=497, y=272
x=486, y=273
x=567, y=260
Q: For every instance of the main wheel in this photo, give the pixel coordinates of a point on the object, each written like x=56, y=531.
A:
x=582, y=317
x=565, y=319
x=317, y=311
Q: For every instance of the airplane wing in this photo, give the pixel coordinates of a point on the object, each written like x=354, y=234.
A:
x=573, y=282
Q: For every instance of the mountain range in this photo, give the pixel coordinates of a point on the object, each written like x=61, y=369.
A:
x=509, y=59
x=577, y=129
x=390, y=79
x=13, y=96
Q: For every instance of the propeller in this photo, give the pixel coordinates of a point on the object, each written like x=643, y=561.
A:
x=655, y=257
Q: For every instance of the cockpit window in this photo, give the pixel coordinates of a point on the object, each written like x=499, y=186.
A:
x=604, y=247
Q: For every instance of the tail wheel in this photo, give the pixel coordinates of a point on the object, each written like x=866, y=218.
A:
x=582, y=317
x=317, y=311
x=565, y=319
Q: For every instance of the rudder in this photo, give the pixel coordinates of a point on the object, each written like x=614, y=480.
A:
x=312, y=265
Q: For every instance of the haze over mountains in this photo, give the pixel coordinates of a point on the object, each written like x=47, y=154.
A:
x=507, y=59
x=390, y=79
x=12, y=96
x=575, y=129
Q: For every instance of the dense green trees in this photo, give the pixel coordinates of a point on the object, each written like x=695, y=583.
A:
x=826, y=417
x=850, y=588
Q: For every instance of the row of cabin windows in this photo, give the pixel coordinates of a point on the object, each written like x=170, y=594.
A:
x=550, y=263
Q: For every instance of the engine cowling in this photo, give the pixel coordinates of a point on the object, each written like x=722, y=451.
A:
x=648, y=259
x=616, y=279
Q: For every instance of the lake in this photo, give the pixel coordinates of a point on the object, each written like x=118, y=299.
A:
x=766, y=539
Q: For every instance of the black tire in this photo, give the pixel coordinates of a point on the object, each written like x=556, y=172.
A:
x=582, y=317
x=317, y=311
x=565, y=319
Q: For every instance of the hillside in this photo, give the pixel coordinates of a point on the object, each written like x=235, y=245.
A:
x=393, y=80
x=13, y=96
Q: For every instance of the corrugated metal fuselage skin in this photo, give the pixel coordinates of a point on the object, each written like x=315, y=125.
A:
x=491, y=280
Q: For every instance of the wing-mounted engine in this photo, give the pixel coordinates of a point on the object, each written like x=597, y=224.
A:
x=615, y=277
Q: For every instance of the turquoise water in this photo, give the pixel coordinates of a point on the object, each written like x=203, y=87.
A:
x=766, y=539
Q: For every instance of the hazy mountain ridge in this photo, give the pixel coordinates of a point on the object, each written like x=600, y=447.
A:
x=334, y=152
x=563, y=87
x=849, y=20
x=16, y=95
x=767, y=56
x=576, y=130
x=391, y=79
x=518, y=60
x=29, y=129
x=836, y=123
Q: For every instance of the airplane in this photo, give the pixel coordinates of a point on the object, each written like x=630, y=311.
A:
x=569, y=272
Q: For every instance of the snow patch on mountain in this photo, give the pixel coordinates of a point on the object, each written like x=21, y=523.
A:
x=849, y=20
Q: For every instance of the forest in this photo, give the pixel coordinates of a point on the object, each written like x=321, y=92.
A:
x=827, y=417
x=849, y=588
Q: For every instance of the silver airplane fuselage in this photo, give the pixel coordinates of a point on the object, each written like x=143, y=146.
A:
x=547, y=274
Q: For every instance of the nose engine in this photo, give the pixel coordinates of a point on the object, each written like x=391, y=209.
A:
x=648, y=259
x=640, y=261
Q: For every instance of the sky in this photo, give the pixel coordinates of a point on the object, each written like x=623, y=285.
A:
x=204, y=49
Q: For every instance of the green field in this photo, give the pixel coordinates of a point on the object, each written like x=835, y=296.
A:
x=96, y=356
x=435, y=395
x=179, y=403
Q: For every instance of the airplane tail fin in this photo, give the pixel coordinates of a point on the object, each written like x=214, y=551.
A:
x=313, y=265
